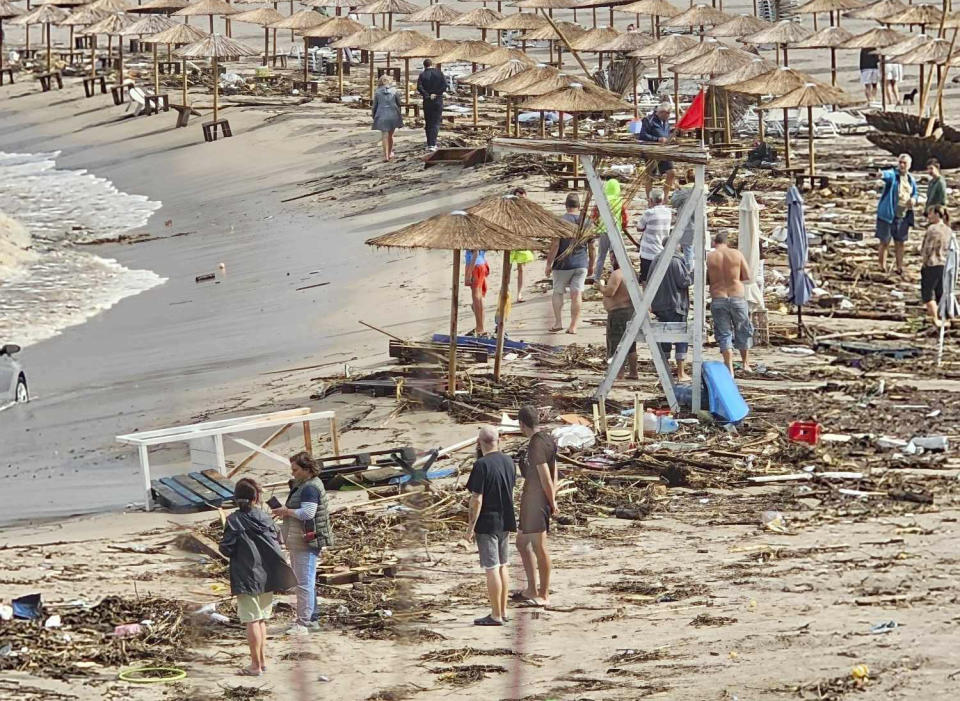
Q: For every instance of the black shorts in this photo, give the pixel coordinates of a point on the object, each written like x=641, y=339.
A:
x=931, y=283
x=645, y=265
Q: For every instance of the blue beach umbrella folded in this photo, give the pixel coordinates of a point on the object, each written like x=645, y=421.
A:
x=800, y=287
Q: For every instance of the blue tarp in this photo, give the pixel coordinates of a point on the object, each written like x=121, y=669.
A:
x=799, y=287
x=725, y=401
x=490, y=343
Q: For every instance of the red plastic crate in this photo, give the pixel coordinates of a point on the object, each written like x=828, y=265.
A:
x=804, y=432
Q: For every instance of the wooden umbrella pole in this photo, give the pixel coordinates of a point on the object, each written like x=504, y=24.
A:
x=636, y=99
x=833, y=66
x=924, y=89
x=727, y=131
x=216, y=89
x=305, y=58
x=292, y=36
x=120, y=50
x=211, y=24
x=184, y=69
x=576, y=159
x=883, y=83
x=810, y=154
x=156, y=71
x=340, y=72
x=943, y=81
x=266, y=45
x=372, y=72
x=508, y=117
x=406, y=83
x=454, y=303
x=49, y=59
x=274, y=61
x=543, y=125
x=760, y=123
x=93, y=56
x=473, y=95
x=502, y=314
x=786, y=136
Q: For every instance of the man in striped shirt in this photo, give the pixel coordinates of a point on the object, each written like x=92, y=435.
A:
x=654, y=227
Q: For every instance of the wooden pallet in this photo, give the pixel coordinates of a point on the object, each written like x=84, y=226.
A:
x=193, y=491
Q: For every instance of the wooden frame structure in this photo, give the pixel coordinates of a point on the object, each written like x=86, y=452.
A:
x=641, y=328
x=206, y=439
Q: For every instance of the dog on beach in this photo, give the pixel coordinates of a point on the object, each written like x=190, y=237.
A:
x=909, y=96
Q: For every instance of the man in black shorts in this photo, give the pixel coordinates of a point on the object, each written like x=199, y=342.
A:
x=537, y=501
x=492, y=519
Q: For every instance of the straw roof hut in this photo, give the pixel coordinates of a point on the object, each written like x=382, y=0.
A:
x=876, y=10
x=429, y=49
x=721, y=59
x=779, y=81
x=915, y=14
x=8, y=11
x=523, y=216
x=521, y=20
x=628, y=41
x=654, y=8
x=932, y=51
x=740, y=26
x=45, y=15
x=339, y=4
x=594, y=39
x=178, y=34
x=536, y=80
x=151, y=24
x=911, y=42
x=577, y=98
x=163, y=7
x=262, y=15
x=399, y=41
x=435, y=14
x=111, y=25
x=698, y=16
x=571, y=30
x=470, y=51
x=697, y=50
x=668, y=46
x=301, y=20
x=496, y=73
x=826, y=38
x=217, y=47
x=503, y=55
x=876, y=38
x=335, y=27
x=82, y=17
x=481, y=18
x=783, y=32
x=755, y=67
x=362, y=39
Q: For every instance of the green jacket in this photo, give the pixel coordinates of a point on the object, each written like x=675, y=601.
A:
x=936, y=193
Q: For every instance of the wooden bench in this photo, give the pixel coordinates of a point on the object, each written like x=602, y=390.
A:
x=210, y=129
x=817, y=180
x=171, y=67
x=415, y=106
x=331, y=68
x=47, y=80
x=282, y=58
x=393, y=71
x=118, y=92
x=184, y=112
x=154, y=103
x=8, y=72
x=310, y=86
x=90, y=85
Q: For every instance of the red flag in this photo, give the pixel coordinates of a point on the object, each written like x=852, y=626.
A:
x=693, y=117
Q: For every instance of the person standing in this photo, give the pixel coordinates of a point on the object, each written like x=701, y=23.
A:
x=522, y=257
x=677, y=200
x=895, y=210
x=306, y=532
x=568, y=261
x=538, y=501
x=893, y=75
x=655, y=129
x=619, y=306
x=654, y=227
x=475, y=277
x=869, y=73
x=257, y=568
x=933, y=256
x=387, y=113
x=431, y=85
x=727, y=270
x=671, y=304
x=492, y=520
x=936, y=188
x=612, y=191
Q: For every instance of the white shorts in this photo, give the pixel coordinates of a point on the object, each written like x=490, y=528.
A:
x=573, y=278
x=894, y=71
x=869, y=76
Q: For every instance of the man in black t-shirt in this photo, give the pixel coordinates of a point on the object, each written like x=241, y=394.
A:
x=492, y=519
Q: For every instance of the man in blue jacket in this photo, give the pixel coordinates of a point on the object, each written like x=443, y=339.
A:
x=431, y=85
x=655, y=128
x=895, y=210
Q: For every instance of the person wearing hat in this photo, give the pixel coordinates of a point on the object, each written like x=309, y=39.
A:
x=655, y=128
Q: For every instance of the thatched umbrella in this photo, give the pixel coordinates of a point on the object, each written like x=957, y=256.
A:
x=721, y=59
x=570, y=30
x=915, y=14
x=474, y=52
x=935, y=51
x=811, y=95
x=162, y=7
x=537, y=80
x=432, y=48
x=389, y=8
x=263, y=16
x=83, y=17
x=755, y=67
x=151, y=24
x=396, y=42
x=497, y=74
x=110, y=25
x=433, y=14
x=668, y=46
x=457, y=231
x=877, y=38
x=625, y=43
x=111, y=5
x=698, y=16
x=503, y=55
x=782, y=33
x=7, y=11
x=363, y=40
x=299, y=22
x=740, y=26
x=45, y=15
x=656, y=9
x=177, y=35
x=209, y=8
x=827, y=38
x=481, y=18
x=217, y=47
x=336, y=28
x=593, y=40
x=815, y=7
x=876, y=10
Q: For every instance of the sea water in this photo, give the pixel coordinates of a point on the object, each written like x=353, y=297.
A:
x=58, y=282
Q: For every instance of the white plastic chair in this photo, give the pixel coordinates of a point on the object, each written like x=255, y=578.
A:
x=137, y=101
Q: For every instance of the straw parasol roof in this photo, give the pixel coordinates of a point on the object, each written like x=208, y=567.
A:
x=7, y=10
x=874, y=39
x=261, y=15
x=655, y=8
x=523, y=216
x=496, y=74
x=466, y=51
x=757, y=66
x=721, y=59
x=111, y=5
x=697, y=50
x=826, y=38
x=546, y=4
x=151, y=24
x=481, y=18
x=399, y=41
x=571, y=30
x=80, y=17
x=521, y=20
x=884, y=8
x=361, y=40
x=783, y=32
x=577, y=97
x=300, y=20
x=909, y=43
x=668, y=46
x=457, y=230
x=779, y=81
x=388, y=7
x=698, y=16
x=933, y=51
x=336, y=27
x=628, y=41
x=329, y=3
x=45, y=14
x=503, y=55
x=740, y=26
x=810, y=95
x=817, y=6
x=111, y=24
x=428, y=49
x=217, y=46
x=207, y=7
x=537, y=80
x=179, y=34
x=442, y=14
x=594, y=39
x=915, y=14
x=160, y=6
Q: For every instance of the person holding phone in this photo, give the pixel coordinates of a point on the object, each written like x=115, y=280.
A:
x=306, y=532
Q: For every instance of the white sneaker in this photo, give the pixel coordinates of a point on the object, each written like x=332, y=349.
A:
x=313, y=627
x=296, y=629
x=434, y=148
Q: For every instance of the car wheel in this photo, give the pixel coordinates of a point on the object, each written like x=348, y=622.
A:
x=22, y=394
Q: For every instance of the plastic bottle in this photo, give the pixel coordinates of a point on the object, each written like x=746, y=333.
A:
x=659, y=424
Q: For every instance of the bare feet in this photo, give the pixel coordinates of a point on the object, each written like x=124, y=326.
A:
x=555, y=329
x=572, y=331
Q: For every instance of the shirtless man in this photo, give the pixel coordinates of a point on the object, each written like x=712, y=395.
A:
x=619, y=306
x=726, y=272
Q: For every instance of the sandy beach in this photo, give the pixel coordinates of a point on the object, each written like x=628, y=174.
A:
x=695, y=599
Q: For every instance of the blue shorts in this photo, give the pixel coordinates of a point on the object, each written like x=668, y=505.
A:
x=898, y=229
x=731, y=323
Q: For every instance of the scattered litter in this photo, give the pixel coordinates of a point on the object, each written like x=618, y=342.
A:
x=53, y=622
x=773, y=521
x=884, y=627
x=27, y=607
x=574, y=436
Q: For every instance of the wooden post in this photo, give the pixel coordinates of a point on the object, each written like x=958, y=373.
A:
x=786, y=137
x=372, y=73
x=699, y=285
x=883, y=83
x=727, y=135
x=274, y=58
x=307, y=439
x=266, y=44
x=211, y=24
x=93, y=56
x=305, y=60
x=184, y=71
x=507, y=119
x=49, y=59
x=833, y=66
x=340, y=72
x=810, y=155
x=636, y=103
x=335, y=436
x=406, y=83
x=216, y=89
x=156, y=72
x=473, y=94
x=923, y=94
x=502, y=312
x=454, y=303
x=120, y=49
x=760, y=121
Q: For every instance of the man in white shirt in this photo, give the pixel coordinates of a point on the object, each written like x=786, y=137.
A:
x=654, y=227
